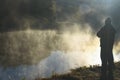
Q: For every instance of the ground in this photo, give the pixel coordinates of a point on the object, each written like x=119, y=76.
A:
x=84, y=73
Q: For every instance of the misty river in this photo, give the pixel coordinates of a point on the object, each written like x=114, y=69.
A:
x=30, y=54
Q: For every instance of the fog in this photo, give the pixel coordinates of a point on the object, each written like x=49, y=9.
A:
x=35, y=54
x=28, y=51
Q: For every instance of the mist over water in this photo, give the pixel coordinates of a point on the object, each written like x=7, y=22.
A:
x=33, y=53
x=30, y=46
x=58, y=62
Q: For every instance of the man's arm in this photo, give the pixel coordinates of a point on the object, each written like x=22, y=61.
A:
x=99, y=33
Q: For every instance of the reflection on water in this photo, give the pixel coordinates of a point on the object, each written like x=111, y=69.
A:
x=58, y=62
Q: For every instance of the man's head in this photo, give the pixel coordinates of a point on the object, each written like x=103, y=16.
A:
x=108, y=21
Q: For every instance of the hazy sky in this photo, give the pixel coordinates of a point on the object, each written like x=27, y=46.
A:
x=18, y=12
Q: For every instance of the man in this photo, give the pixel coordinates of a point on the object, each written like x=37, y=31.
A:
x=107, y=35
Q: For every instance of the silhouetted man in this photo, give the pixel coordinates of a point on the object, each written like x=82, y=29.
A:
x=107, y=35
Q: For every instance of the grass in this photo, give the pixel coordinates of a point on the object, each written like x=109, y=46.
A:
x=84, y=73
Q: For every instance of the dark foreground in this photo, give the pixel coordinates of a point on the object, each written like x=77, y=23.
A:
x=84, y=73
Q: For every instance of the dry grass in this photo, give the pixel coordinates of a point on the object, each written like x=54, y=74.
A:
x=84, y=73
